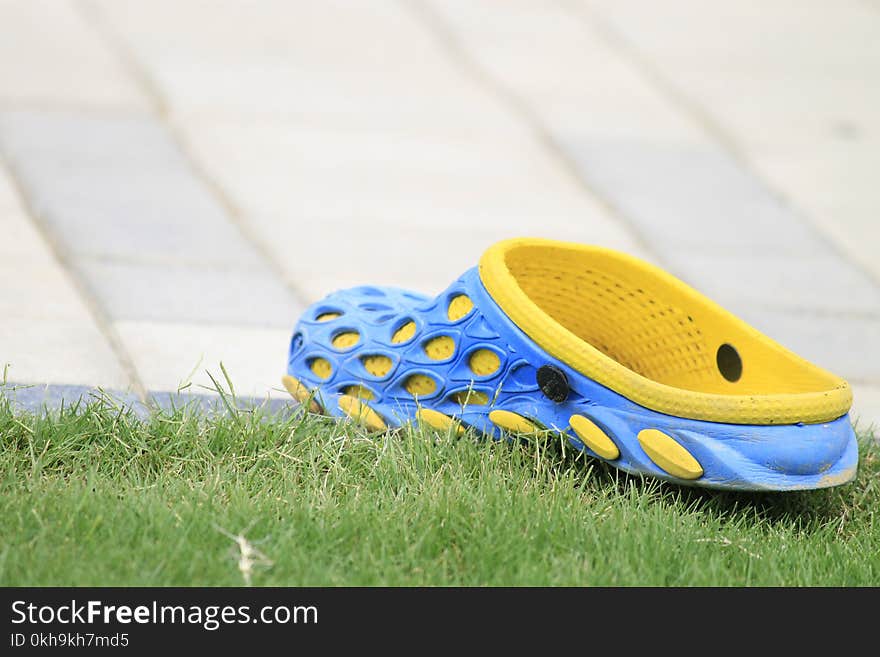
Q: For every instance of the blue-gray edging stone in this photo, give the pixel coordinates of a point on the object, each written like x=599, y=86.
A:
x=36, y=398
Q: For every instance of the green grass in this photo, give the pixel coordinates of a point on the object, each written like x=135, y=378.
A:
x=93, y=495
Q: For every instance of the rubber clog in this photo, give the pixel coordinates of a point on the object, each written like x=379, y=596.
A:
x=632, y=365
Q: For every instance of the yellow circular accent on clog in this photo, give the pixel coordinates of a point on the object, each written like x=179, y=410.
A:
x=438, y=420
x=419, y=384
x=300, y=393
x=484, y=362
x=346, y=340
x=440, y=348
x=360, y=392
x=593, y=437
x=475, y=397
x=361, y=413
x=459, y=307
x=321, y=367
x=404, y=333
x=377, y=365
x=667, y=453
x=511, y=422
x=326, y=317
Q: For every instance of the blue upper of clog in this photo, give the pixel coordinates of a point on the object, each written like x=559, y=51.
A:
x=737, y=456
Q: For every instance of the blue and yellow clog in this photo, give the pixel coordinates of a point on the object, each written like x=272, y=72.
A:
x=633, y=366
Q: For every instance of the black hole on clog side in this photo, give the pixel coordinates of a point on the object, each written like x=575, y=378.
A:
x=729, y=363
x=553, y=383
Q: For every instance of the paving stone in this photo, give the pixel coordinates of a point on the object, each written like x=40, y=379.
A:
x=58, y=351
x=818, y=283
x=829, y=190
x=414, y=198
x=792, y=94
x=684, y=199
x=397, y=178
x=47, y=333
x=37, y=288
x=147, y=236
x=167, y=356
x=190, y=294
x=119, y=188
x=296, y=145
x=50, y=55
x=719, y=228
x=21, y=240
x=320, y=256
x=379, y=68
x=577, y=86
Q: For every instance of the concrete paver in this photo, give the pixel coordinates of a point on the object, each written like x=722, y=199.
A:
x=119, y=188
x=49, y=56
x=168, y=356
x=794, y=84
x=191, y=294
x=47, y=334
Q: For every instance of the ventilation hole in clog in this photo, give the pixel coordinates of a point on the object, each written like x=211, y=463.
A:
x=346, y=339
x=377, y=365
x=296, y=343
x=465, y=397
x=440, y=348
x=387, y=317
x=459, y=307
x=404, y=333
x=370, y=291
x=484, y=362
x=358, y=391
x=419, y=384
x=326, y=317
x=321, y=367
x=729, y=363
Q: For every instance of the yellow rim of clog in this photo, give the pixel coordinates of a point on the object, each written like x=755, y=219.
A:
x=553, y=290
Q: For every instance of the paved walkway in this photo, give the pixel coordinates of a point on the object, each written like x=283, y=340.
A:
x=178, y=179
